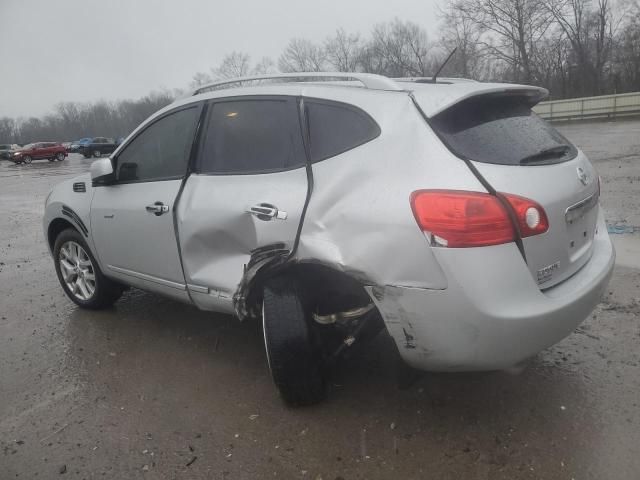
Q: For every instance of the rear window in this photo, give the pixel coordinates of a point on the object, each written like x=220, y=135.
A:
x=502, y=131
x=335, y=128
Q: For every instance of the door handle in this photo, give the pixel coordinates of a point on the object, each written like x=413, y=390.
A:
x=266, y=212
x=157, y=208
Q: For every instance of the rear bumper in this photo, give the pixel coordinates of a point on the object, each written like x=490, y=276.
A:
x=492, y=314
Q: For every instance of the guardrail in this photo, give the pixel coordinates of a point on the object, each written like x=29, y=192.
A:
x=605, y=106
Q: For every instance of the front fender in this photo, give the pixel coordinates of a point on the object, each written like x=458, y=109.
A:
x=71, y=205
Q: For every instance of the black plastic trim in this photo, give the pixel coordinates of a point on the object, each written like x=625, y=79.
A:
x=68, y=212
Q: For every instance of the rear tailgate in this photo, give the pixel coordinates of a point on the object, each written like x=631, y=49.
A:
x=518, y=153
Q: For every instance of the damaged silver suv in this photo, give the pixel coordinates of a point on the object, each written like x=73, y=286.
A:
x=332, y=205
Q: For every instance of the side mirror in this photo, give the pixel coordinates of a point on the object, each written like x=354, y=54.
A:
x=102, y=172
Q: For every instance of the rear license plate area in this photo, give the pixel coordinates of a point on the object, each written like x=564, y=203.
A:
x=581, y=224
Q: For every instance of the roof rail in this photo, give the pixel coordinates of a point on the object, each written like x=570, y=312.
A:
x=430, y=80
x=369, y=80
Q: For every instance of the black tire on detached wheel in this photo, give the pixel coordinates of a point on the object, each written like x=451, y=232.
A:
x=80, y=275
x=295, y=360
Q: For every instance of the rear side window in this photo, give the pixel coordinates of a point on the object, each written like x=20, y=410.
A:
x=502, y=131
x=335, y=128
x=252, y=136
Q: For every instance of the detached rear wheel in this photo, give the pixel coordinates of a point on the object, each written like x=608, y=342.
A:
x=79, y=274
x=294, y=357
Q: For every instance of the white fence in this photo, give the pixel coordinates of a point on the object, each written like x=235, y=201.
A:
x=605, y=106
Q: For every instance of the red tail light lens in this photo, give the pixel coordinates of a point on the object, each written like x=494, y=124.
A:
x=458, y=219
x=532, y=219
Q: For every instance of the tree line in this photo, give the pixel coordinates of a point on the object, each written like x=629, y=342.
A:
x=574, y=48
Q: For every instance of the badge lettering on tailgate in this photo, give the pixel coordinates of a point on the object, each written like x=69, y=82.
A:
x=545, y=274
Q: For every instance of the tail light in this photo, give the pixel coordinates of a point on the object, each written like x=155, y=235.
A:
x=457, y=219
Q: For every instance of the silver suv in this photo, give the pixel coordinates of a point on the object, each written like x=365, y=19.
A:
x=332, y=205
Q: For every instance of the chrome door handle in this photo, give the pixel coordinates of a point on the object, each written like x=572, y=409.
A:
x=266, y=211
x=157, y=208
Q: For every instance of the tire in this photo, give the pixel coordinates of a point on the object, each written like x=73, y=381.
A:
x=295, y=361
x=97, y=153
x=59, y=156
x=105, y=291
x=27, y=159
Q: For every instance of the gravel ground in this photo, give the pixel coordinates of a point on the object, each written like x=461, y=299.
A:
x=154, y=389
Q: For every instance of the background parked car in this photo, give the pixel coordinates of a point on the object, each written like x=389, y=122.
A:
x=7, y=149
x=75, y=146
x=52, y=151
x=97, y=147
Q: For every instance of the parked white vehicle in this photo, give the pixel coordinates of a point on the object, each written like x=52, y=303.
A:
x=331, y=205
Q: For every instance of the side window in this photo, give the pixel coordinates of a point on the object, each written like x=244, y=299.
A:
x=335, y=128
x=252, y=136
x=161, y=151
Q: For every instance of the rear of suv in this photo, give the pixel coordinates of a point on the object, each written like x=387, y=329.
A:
x=447, y=213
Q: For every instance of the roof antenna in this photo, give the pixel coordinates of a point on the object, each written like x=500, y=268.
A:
x=433, y=80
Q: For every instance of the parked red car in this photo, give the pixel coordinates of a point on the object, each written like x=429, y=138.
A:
x=35, y=151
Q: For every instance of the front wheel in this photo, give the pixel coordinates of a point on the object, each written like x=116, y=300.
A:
x=294, y=357
x=60, y=156
x=79, y=274
x=27, y=159
x=97, y=153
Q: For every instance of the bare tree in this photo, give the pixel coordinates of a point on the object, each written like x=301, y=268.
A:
x=302, y=55
x=264, y=66
x=511, y=30
x=344, y=51
x=400, y=49
x=461, y=33
x=589, y=29
x=233, y=65
x=200, y=78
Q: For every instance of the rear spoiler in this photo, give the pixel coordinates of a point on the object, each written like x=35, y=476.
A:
x=434, y=99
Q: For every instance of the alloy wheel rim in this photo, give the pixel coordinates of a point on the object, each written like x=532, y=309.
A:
x=77, y=270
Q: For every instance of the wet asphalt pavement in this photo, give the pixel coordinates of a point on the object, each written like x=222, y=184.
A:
x=155, y=389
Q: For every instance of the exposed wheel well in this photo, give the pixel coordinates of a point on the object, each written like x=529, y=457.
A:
x=326, y=290
x=55, y=228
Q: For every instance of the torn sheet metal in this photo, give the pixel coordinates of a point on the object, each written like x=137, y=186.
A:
x=264, y=261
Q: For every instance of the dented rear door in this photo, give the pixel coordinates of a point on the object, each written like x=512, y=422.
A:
x=248, y=191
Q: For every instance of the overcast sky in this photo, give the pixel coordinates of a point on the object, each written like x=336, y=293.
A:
x=84, y=50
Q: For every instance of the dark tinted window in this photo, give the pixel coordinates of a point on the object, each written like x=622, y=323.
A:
x=161, y=151
x=252, y=136
x=503, y=131
x=335, y=128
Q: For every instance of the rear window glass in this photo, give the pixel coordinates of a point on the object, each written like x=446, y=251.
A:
x=252, y=136
x=503, y=131
x=335, y=128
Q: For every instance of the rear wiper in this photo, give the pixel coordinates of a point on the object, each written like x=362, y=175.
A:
x=553, y=152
